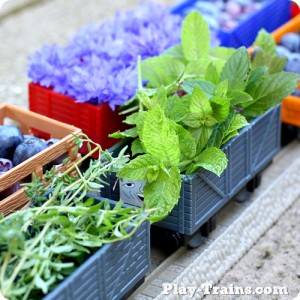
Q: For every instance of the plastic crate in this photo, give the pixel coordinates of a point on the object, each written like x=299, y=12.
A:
x=110, y=273
x=97, y=121
x=48, y=128
x=273, y=14
x=291, y=104
x=204, y=194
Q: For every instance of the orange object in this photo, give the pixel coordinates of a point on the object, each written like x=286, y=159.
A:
x=27, y=122
x=291, y=104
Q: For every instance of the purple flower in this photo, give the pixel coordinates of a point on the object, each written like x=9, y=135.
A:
x=99, y=63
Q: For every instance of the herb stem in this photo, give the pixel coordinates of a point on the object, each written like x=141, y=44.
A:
x=24, y=258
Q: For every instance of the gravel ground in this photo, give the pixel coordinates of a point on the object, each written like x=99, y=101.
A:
x=273, y=261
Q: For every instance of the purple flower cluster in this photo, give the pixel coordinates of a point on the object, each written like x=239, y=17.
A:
x=99, y=64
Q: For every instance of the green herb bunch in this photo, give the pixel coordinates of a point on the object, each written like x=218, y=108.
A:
x=46, y=242
x=195, y=101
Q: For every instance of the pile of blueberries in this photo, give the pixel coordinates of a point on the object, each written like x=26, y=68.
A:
x=225, y=15
x=289, y=47
x=15, y=149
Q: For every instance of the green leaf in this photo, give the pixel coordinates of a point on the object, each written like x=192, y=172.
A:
x=137, y=147
x=163, y=193
x=219, y=132
x=132, y=132
x=207, y=87
x=137, y=168
x=238, y=97
x=160, y=97
x=265, y=41
x=212, y=74
x=186, y=141
x=40, y=283
x=254, y=79
x=174, y=52
x=270, y=92
x=195, y=37
x=201, y=136
x=237, y=123
x=274, y=63
x=159, y=137
x=131, y=119
x=161, y=70
x=222, y=88
x=62, y=249
x=197, y=67
x=211, y=159
x=144, y=99
x=222, y=53
x=200, y=110
x=176, y=108
x=237, y=69
x=220, y=107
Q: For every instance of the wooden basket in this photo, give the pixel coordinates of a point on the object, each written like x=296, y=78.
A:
x=29, y=122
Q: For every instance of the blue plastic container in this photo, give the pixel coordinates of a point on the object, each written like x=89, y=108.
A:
x=273, y=14
x=204, y=194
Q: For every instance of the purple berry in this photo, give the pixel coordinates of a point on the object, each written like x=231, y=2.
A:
x=282, y=51
x=28, y=148
x=6, y=165
x=291, y=41
x=293, y=63
x=10, y=138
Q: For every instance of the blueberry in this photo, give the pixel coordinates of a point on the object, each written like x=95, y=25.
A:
x=291, y=41
x=10, y=138
x=6, y=165
x=296, y=93
x=59, y=160
x=29, y=147
x=293, y=63
x=282, y=51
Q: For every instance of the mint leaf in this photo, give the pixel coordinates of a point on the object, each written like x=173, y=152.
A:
x=200, y=110
x=176, y=108
x=237, y=69
x=131, y=119
x=137, y=147
x=219, y=132
x=174, y=52
x=160, y=97
x=163, y=193
x=270, y=92
x=161, y=70
x=221, y=88
x=255, y=78
x=238, y=97
x=212, y=74
x=201, y=136
x=144, y=99
x=220, y=107
x=265, y=41
x=207, y=87
x=274, y=63
x=237, y=123
x=137, y=168
x=159, y=137
x=186, y=141
x=132, y=132
x=195, y=37
x=222, y=53
x=211, y=159
x=197, y=67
